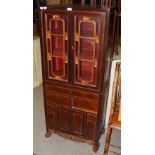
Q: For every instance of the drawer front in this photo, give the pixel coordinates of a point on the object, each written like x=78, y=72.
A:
x=51, y=98
x=91, y=117
x=84, y=94
x=85, y=105
x=50, y=108
x=63, y=100
x=57, y=89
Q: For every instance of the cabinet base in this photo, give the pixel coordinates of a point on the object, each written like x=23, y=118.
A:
x=74, y=138
x=48, y=133
x=96, y=147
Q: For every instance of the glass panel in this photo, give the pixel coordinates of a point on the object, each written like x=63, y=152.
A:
x=87, y=49
x=57, y=27
x=58, y=66
x=85, y=70
x=57, y=45
x=87, y=29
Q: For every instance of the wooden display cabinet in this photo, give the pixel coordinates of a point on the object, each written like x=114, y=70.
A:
x=77, y=49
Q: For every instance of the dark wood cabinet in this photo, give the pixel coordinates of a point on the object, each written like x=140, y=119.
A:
x=77, y=49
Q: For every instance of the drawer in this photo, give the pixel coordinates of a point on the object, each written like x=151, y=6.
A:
x=51, y=98
x=85, y=105
x=50, y=108
x=57, y=89
x=91, y=117
x=63, y=100
x=85, y=94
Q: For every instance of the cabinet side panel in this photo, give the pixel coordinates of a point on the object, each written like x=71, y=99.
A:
x=107, y=67
x=41, y=16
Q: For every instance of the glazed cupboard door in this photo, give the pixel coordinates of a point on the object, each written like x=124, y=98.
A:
x=56, y=30
x=87, y=29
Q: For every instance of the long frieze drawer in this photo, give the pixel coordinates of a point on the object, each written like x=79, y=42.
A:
x=91, y=117
x=51, y=108
x=51, y=98
x=63, y=100
x=58, y=89
x=85, y=94
x=85, y=105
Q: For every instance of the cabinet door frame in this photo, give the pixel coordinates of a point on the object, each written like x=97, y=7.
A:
x=100, y=48
x=46, y=56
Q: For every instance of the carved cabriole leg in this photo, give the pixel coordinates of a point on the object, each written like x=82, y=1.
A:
x=48, y=133
x=95, y=147
x=107, y=140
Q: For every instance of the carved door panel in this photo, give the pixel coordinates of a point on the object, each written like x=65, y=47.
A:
x=86, y=49
x=51, y=114
x=91, y=126
x=78, y=120
x=63, y=119
x=56, y=27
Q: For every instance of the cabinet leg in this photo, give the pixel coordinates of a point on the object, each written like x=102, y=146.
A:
x=103, y=130
x=96, y=147
x=48, y=134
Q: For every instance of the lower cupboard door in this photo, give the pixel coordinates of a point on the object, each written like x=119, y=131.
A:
x=91, y=126
x=91, y=129
x=51, y=116
x=51, y=119
x=63, y=117
x=78, y=123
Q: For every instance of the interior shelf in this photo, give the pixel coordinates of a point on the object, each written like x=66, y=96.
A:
x=57, y=34
x=56, y=56
x=84, y=37
x=87, y=60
